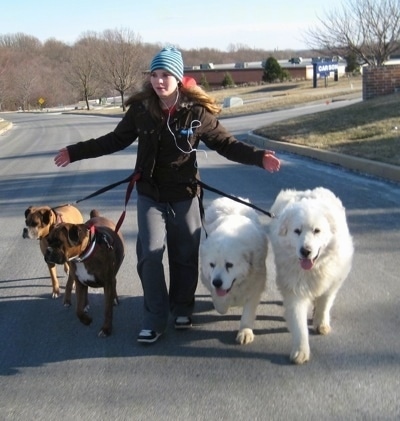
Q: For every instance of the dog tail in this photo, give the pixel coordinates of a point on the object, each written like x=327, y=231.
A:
x=94, y=213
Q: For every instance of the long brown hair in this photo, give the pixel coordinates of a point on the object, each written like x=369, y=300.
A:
x=188, y=95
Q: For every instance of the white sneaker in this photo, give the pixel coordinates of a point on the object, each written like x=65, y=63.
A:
x=183, y=322
x=148, y=336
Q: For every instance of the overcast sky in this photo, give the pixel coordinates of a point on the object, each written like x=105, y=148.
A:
x=216, y=24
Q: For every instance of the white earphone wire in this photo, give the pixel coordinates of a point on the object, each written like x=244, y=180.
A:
x=193, y=125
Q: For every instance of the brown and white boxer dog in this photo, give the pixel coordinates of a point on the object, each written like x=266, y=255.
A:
x=95, y=253
x=39, y=221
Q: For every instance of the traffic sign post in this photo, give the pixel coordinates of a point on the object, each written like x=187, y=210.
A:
x=41, y=101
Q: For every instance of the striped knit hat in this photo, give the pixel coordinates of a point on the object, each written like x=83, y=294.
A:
x=169, y=59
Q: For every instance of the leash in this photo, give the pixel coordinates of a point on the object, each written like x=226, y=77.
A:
x=235, y=198
x=135, y=176
x=106, y=188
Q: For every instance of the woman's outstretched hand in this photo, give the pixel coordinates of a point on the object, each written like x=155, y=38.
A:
x=62, y=158
x=270, y=162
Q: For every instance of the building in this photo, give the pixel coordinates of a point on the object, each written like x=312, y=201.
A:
x=252, y=72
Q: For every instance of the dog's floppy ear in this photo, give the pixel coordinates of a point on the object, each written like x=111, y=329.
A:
x=285, y=218
x=28, y=211
x=46, y=215
x=331, y=221
x=249, y=258
x=76, y=234
x=283, y=225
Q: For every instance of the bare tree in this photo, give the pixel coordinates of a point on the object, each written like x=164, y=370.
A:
x=25, y=76
x=54, y=88
x=55, y=51
x=4, y=75
x=368, y=29
x=21, y=42
x=3, y=88
x=120, y=60
x=82, y=71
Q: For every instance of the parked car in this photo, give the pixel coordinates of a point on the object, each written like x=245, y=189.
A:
x=295, y=60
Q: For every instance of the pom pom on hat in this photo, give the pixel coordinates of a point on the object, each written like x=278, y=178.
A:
x=188, y=82
x=169, y=59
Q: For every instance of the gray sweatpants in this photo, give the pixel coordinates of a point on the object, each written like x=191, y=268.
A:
x=176, y=226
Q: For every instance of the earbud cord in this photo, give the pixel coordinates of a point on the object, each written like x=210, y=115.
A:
x=192, y=126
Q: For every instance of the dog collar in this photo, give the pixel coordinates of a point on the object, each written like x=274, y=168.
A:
x=89, y=249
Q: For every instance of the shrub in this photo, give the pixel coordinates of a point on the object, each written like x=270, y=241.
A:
x=204, y=82
x=273, y=71
x=227, y=81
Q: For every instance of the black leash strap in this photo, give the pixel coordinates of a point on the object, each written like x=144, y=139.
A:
x=106, y=188
x=235, y=198
x=135, y=176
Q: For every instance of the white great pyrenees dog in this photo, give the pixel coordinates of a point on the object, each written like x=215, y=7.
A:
x=313, y=252
x=233, y=254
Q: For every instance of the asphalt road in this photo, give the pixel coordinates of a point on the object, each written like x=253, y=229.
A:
x=53, y=367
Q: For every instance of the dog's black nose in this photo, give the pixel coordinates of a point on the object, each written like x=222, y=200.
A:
x=305, y=252
x=217, y=283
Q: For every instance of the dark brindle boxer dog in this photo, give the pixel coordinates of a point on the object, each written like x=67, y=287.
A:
x=39, y=221
x=95, y=253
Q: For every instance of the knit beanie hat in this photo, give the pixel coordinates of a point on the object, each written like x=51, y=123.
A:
x=169, y=59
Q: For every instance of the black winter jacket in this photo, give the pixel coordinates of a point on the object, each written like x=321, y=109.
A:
x=166, y=155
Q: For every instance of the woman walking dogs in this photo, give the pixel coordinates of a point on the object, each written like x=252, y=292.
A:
x=168, y=117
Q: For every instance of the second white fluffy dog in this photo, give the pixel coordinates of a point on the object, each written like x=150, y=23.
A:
x=233, y=261
x=313, y=255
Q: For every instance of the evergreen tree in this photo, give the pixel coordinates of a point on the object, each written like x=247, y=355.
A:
x=353, y=66
x=272, y=71
x=227, y=81
x=204, y=82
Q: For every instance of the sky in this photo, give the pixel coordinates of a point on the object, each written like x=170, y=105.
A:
x=258, y=24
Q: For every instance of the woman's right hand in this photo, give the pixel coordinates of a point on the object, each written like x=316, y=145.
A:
x=62, y=158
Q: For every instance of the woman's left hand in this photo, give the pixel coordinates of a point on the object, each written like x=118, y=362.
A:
x=270, y=162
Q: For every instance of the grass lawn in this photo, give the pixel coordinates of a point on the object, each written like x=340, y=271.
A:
x=369, y=129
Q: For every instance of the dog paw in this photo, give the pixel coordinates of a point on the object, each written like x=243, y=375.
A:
x=55, y=295
x=85, y=319
x=67, y=304
x=323, y=329
x=245, y=336
x=298, y=356
x=104, y=332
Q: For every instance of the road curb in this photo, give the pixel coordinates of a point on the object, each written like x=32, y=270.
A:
x=366, y=166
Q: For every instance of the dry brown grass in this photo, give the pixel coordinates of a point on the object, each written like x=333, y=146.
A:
x=369, y=129
x=281, y=95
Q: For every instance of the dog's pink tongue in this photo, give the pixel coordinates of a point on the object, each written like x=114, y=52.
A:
x=221, y=292
x=306, y=264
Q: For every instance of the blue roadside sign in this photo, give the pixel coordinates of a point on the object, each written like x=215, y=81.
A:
x=324, y=68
